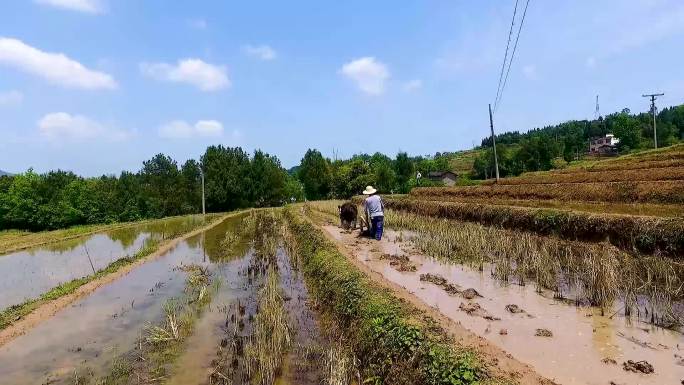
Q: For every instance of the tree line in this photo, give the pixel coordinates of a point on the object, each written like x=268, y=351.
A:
x=537, y=149
x=323, y=178
x=59, y=199
x=233, y=180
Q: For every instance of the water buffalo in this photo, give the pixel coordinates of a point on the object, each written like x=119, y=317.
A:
x=348, y=214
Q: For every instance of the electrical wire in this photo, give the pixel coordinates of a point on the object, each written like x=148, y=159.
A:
x=515, y=46
x=508, y=43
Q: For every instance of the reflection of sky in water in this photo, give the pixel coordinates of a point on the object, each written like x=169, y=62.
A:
x=108, y=321
x=29, y=273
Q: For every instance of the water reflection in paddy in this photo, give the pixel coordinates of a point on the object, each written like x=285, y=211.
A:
x=29, y=273
x=95, y=329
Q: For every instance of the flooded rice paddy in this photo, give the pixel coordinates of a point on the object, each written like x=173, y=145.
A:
x=29, y=273
x=565, y=343
x=94, y=332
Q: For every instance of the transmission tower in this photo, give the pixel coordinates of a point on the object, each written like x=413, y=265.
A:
x=597, y=112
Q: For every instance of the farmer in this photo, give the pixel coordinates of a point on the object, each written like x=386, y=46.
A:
x=374, y=208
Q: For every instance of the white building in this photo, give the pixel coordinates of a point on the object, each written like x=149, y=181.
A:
x=603, y=145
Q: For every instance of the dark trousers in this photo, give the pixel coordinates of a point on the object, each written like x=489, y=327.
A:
x=376, y=227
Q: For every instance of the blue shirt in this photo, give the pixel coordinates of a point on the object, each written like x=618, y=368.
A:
x=373, y=206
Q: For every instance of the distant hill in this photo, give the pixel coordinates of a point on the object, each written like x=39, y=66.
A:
x=3, y=173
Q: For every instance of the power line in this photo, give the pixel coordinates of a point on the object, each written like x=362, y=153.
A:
x=503, y=65
x=515, y=46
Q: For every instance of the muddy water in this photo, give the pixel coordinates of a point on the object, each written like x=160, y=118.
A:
x=94, y=330
x=581, y=339
x=303, y=364
x=194, y=365
x=30, y=273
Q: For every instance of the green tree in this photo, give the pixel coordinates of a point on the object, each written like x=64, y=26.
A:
x=316, y=175
x=268, y=180
x=403, y=168
x=627, y=129
x=227, y=178
x=161, y=183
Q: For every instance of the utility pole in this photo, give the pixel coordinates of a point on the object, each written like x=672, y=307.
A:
x=203, y=207
x=653, y=111
x=491, y=125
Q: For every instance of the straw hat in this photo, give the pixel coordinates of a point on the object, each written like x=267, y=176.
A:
x=369, y=190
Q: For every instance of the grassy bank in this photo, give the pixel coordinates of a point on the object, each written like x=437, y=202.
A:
x=393, y=342
x=16, y=312
x=647, y=235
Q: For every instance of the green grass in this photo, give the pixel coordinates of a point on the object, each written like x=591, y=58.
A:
x=394, y=342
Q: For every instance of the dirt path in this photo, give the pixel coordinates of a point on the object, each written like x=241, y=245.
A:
x=49, y=309
x=499, y=362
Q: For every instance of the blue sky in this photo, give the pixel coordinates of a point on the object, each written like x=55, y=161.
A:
x=98, y=86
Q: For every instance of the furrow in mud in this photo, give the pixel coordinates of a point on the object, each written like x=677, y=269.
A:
x=569, y=344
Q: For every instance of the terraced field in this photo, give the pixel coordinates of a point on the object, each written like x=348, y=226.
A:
x=603, y=237
x=576, y=311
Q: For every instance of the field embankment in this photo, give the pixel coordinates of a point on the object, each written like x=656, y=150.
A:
x=665, y=192
x=633, y=233
x=392, y=339
x=672, y=173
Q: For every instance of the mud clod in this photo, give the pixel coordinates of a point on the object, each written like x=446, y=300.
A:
x=443, y=283
x=470, y=308
x=515, y=309
x=474, y=309
x=470, y=293
x=638, y=367
x=433, y=278
x=400, y=262
x=543, y=333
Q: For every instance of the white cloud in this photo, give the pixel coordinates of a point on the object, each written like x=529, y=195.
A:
x=209, y=128
x=11, y=98
x=590, y=62
x=197, y=23
x=368, y=74
x=180, y=129
x=413, y=85
x=57, y=68
x=62, y=126
x=530, y=72
x=205, y=76
x=87, y=6
x=262, y=52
